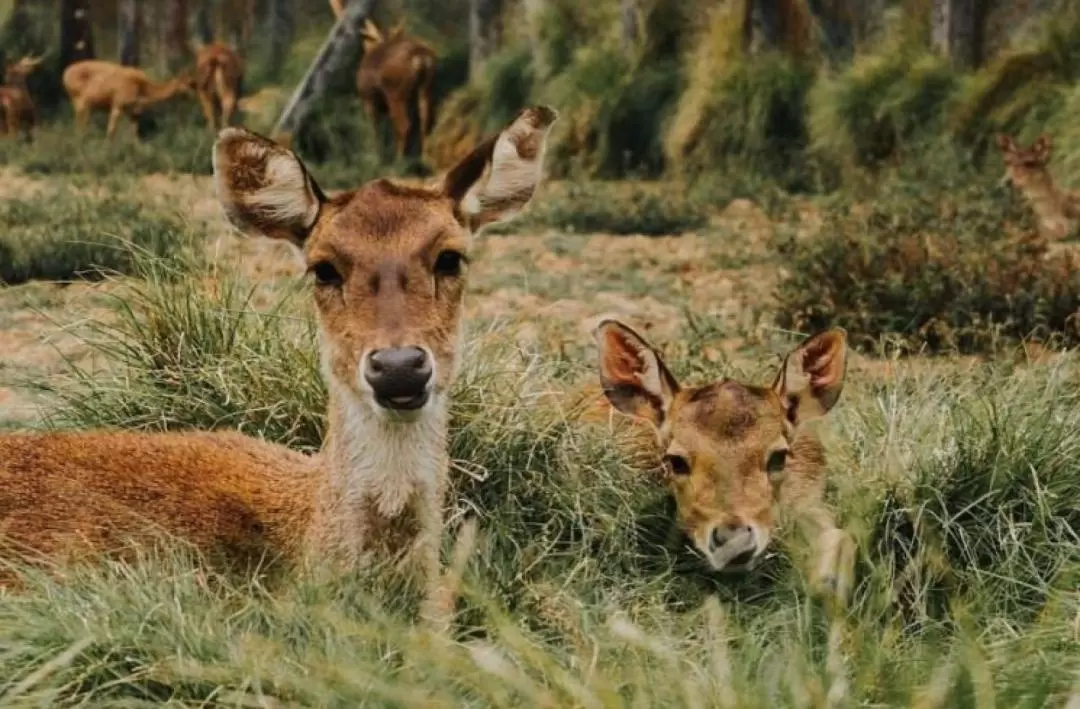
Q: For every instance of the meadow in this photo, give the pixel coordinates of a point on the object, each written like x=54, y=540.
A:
x=953, y=454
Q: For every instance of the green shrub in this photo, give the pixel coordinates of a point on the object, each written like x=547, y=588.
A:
x=62, y=235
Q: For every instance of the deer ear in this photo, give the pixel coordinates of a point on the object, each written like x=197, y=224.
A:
x=1043, y=146
x=264, y=188
x=812, y=376
x=1006, y=143
x=633, y=375
x=497, y=179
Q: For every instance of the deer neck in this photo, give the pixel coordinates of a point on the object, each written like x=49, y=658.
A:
x=155, y=93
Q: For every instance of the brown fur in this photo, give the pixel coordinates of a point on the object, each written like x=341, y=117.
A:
x=16, y=105
x=1057, y=210
x=721, y=442
x=377, y=487
x=95, y=85
x=219, y=74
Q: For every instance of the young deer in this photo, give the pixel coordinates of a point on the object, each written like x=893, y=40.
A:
x=219, y=74
x=736, y=454
x=1056, y=209
x=389, y=265
x=100, y=85
x=16, y=105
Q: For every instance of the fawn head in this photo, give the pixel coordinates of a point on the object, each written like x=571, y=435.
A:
x=727, y=446
x=389, y=260
x=17, y=72
x=1025, y=168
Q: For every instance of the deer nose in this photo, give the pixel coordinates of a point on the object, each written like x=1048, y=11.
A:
x=399, y=377
x=731, y=545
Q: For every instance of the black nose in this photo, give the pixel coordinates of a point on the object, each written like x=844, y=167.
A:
x=399, y=377
x=723, y=533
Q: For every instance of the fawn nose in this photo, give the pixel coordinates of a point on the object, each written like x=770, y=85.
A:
x=731, y=546
x=399, y=377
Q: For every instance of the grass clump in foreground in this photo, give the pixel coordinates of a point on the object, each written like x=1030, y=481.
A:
x=961, y=487
x=63, y=235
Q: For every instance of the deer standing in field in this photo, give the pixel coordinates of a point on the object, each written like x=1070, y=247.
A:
x=219, y=74
x=1057, y=210
x=389, y=267
x=396, y=73
x=16, y=105
x=94, y=84
x=735, y=454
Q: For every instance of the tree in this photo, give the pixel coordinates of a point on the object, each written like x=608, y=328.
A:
x=956, y=30
x=485, y=26
x=129, y=20
x=631, y=28
x=204, y=21
x=76, y=35
x=280, y=26
x=177, y=49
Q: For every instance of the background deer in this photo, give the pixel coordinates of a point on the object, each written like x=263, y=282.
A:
x=100, y=85
x=16, y=105
x=735, y=454
x=389, y=266
x=219, y=74
x=1028, y=170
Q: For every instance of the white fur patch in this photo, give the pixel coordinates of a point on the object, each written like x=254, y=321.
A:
x=286, y=196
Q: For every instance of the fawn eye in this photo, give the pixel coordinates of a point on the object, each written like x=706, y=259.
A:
x=326, y=274
x=449, y=263
x=776, y=461
x=677, y=464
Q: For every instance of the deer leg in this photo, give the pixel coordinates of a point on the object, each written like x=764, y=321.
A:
x=423, y=107
x=114, y=118
x=207, y=105
x=834, y=554
x=399, y=116
x=228, y=107
x=82, y=116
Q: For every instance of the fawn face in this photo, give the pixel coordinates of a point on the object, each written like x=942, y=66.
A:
x=1025, y=169
x=17, y=72
x=727, y=446
x=388, y=260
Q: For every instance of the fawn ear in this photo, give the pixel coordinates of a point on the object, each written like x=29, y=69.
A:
x=264, y=188
x=497, y=179
x=633, y=375
x=1043, y=146
x=812, y=376
x=1006, y=143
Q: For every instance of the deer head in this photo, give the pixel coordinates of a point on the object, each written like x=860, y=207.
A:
x=17, y=72
x=1026, y=168
x=389, y=261
x=728, y=447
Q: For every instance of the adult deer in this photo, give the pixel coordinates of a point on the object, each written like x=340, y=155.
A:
x=16, y=105
x=735, y=454
x=1057, y=210
x=219, y=74
x=389, y=267
x=94, y=84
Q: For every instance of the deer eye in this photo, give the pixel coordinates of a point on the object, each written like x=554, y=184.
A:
x=774, y=464
x=677, y=464
x=449, y=263
x=326, y=274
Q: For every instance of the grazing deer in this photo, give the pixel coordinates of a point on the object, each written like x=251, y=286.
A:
x=389, y=266
x=16, y=105
x=219, y=74
x=1056, y=209
x=94, y=84
x=736, y=454
x=396, y=72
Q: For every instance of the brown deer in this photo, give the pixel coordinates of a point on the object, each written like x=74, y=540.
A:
x=1028, y=170
x=16, y=105
x=396, y=72
x=219, y=74
x=389, y=263
x=734, y=454
x=93, y=84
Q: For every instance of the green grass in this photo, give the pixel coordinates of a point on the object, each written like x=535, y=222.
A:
x=961, y=486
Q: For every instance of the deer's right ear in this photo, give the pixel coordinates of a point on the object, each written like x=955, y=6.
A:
x=1006, y=143
x=264, y=188
x=632, y=373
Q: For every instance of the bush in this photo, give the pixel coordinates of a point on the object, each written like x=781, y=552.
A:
x=61, y=236
x=941, y=267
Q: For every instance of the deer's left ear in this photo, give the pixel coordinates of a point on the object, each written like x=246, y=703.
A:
x=496, y=180
x=1043, y=146
x=812, y=376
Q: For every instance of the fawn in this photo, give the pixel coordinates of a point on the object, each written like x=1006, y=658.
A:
x=219, y=75
x=1056, y=209
x=734, y=453
x=389, y=263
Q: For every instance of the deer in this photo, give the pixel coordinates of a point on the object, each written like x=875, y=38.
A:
x=16, y=104
x=389, y=265
x=219, y=74
x=1057, y=210
x=94, y=84
x=735, y=455
x=395, y=72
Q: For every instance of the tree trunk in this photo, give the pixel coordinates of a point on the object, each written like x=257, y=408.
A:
x=281, y=24
x=177, y=49
x=631, y=29
x=76, y=35
x=128, y=17
x=484, y=31
x=204, y=22
x=332, y=58
x=956, y=30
